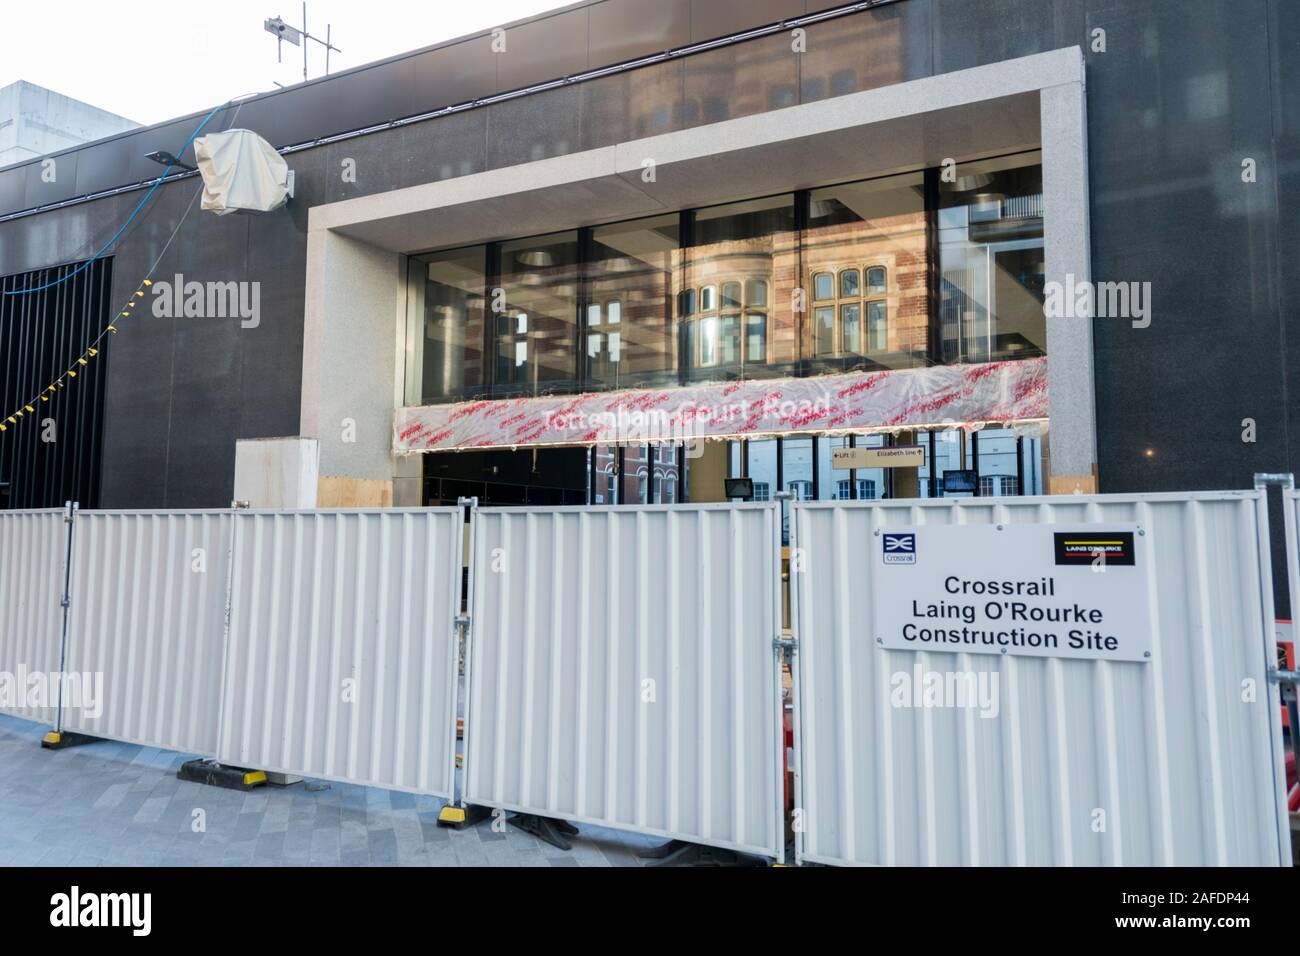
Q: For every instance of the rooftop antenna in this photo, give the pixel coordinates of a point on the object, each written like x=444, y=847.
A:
x=283, y=32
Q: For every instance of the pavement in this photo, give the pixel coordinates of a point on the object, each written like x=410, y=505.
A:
x=115, y=804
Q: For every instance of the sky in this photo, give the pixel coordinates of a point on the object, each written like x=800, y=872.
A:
x=152, y=61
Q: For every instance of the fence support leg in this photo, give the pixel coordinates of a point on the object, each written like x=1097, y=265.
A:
x=59, y=739
x=681, y=853
x=219, y=775
x=554, y=832
x=458, y=818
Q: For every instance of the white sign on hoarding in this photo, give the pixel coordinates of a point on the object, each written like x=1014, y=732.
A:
x=1038, y=590
x=898, y=456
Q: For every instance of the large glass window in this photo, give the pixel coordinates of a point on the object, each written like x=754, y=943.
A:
x=844, y=484
x=536, y=333
x=447, y=333
x=991, y=261
x=874, y=279
x=739, y=274
x=755, y=460
x=629, y=297
x=1007, y=463
x=865, y=256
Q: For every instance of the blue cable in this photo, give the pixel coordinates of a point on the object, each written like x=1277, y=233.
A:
x=149, y=195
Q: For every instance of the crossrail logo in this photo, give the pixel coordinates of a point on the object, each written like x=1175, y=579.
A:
x=78, y=909
x=899, y=548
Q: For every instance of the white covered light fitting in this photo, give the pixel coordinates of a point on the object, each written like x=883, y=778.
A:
x=242, y=173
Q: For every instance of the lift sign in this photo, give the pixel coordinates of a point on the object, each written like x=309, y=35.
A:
x=1035, y=590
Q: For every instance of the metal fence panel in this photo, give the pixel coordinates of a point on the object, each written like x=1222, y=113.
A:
x=32, y=549
x=1176, y=761
x=145, y=624
x=622, y=671
x=341, y=651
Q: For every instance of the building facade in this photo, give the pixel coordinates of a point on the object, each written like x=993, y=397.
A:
x=702, y=209
x=35, y=122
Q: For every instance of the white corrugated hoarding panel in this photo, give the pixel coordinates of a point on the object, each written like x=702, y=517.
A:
x=622, y=671
x=1291, y=521
x=32, y=549
x=1176, y=761
x=146, y=625
x=341, y=652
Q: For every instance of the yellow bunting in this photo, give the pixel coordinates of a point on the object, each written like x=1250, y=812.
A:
x=91, y=352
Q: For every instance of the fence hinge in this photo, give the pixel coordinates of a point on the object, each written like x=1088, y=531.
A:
x=785, y=644
x=1278, y=676
x=1264, y=478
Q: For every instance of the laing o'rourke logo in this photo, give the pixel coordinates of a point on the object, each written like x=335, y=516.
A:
x=75, y=908
x=1091, y=547
x=899, y=548
x=209, y=300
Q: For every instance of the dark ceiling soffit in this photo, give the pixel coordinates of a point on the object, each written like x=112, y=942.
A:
x=673, y=54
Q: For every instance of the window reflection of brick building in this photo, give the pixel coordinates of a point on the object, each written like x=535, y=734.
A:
x=651, y=474
x=893, y=273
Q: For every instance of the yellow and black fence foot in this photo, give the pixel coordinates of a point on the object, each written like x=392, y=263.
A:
x=219, y=775
x=458, y=818
x=58, y=739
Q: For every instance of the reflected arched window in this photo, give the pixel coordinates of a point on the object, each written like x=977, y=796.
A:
x=686, y=302
x=823, y=286
x=876, y=280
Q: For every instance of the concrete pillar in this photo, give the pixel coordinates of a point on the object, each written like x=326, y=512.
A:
x=706, y=473
x=1070, y=381
x=907, y=481
x=352, y=376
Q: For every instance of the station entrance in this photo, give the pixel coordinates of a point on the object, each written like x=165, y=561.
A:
x=988, y=462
